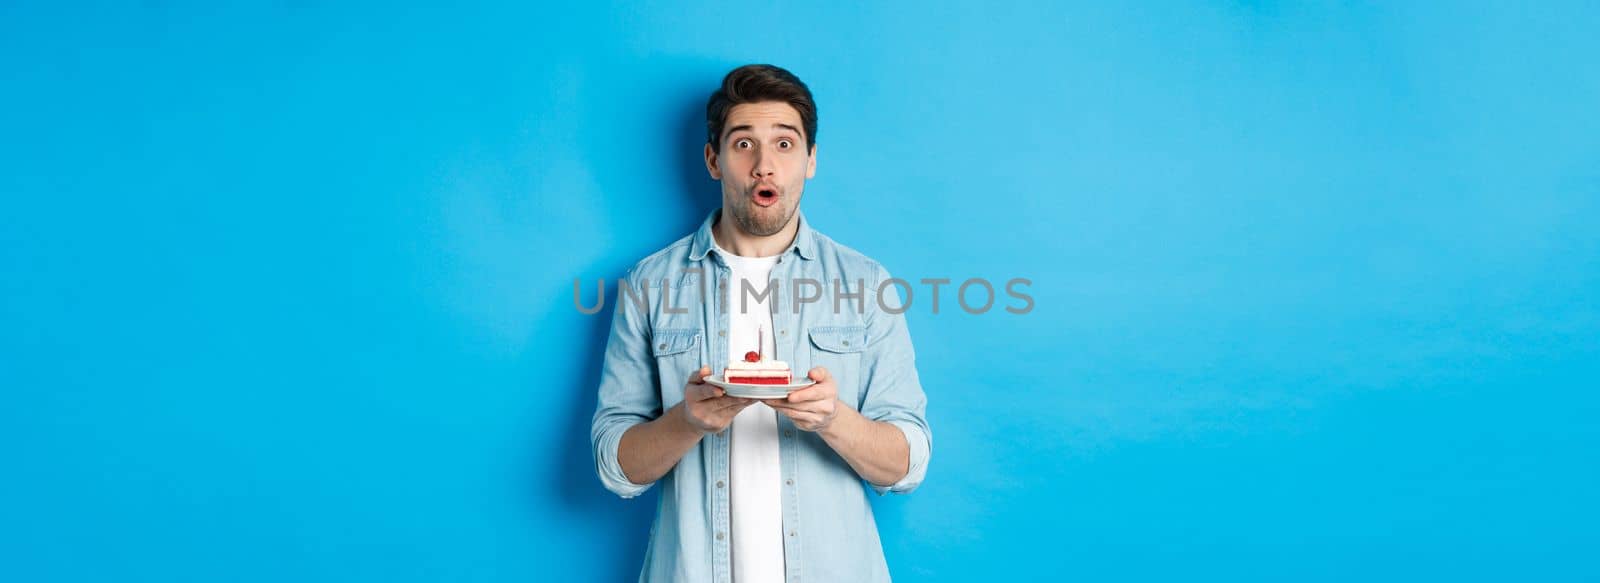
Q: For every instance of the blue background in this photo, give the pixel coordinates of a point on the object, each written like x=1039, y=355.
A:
x=288, y=289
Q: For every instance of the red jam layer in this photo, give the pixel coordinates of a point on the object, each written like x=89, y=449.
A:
x=759, y=380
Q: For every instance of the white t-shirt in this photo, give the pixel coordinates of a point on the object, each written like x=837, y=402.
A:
x=756, y=498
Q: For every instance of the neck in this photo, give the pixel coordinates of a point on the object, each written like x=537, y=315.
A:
x=730, y=237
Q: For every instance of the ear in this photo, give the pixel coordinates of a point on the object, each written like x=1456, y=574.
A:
x=711, y=163
x=811, y=163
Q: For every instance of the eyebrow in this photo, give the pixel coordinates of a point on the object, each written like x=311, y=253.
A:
x=746, y=127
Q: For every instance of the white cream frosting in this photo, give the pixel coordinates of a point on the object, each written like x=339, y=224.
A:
x=765, y=365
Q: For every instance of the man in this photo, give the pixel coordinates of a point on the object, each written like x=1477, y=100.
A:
x=756, y=491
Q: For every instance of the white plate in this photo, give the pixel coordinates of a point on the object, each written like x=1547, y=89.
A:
x=760, y=391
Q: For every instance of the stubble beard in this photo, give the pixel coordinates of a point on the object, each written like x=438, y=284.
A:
x=761, y=222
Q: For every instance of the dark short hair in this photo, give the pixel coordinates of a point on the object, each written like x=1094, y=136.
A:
x=754, y=84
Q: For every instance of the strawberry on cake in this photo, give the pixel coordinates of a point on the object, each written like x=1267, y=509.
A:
x=755, y=369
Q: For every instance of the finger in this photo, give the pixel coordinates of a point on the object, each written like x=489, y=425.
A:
x=725, y=403
x=819, y=374
x=699, y=377
x=818, y=392
x=781, y=406
x=803, y=418
x=804, y=407
x=729, y=411
x=702, y=392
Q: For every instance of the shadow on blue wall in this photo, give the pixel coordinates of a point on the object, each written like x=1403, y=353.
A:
x=575, y=483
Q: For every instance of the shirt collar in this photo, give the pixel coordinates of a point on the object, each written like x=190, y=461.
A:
x=805, y=241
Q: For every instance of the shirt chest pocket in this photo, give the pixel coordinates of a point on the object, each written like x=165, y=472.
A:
x=838, y=349
x=676, y=357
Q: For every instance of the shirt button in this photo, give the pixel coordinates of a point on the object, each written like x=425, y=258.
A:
x=783, y=332
x=788, y=433
x=719, y=535
x=719, y=483
x=722, y=332
x=663, y=346
x=789, y=482
x=847, y=343
x=791, y=533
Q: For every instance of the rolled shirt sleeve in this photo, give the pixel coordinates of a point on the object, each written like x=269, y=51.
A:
x=893, y=390
x=627, y=394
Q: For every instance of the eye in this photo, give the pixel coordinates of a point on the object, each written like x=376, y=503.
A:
x=784, y=144
x=742, y=144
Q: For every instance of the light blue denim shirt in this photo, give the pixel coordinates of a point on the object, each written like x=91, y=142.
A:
x=829, y=531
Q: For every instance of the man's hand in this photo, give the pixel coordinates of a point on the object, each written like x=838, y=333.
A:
x=706, y=407
x=876, y=450
x=815, y=407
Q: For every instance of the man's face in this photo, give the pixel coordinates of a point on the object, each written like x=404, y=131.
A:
x=763, y=166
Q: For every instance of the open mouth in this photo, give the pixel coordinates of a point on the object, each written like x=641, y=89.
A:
x=765, y=196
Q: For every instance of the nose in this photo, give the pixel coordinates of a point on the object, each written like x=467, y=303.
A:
x=763, y=167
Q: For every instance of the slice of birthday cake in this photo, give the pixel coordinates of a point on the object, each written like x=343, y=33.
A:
x=755, y=369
